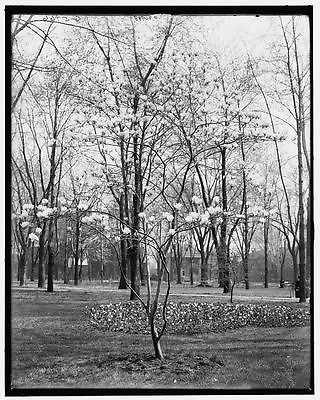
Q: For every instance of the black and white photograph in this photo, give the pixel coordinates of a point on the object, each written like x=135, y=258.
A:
x=159, y=213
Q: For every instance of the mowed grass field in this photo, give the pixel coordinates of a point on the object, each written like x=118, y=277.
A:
x=53, y=346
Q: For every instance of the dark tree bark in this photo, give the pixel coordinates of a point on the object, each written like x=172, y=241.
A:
x=134, y=247
x=266, y=261
x=204, y=269
x=223, y=231
x=76, y=252
x=22, y=268
x=123, y=247
x=41, y=269
x=178, y=261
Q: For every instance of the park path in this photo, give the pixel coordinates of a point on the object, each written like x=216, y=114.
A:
x=68, y=288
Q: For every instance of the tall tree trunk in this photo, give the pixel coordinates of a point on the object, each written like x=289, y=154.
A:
x=76, y=252
x=22, y=268
x=65, y=263
x=141, y=269
x=50, y=269
x=309, y=240
x=177, y=259
x=81, y=260
x=302, y=253
x=191, y=264
x=50, y=256
x=123, y=246
x=41, y=269
x=134, y=249
x=33, y=262
x=282, y=261
x=134, y=278
x=245, y=233
x=223, y=230
x=204, y=269
x=101, y=260
x=266, y=262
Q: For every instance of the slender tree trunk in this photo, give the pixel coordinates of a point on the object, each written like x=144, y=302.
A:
x=65, y=263
x=245, y=236
x=81, y=260
x=223, y=230
x=76, y=252
x=282, y=261
x=101, y=260
x=266, y=262
x=177, y=259
x=155, y=340
x=123, y=247
x=22, y=268
x=191, y=264
x=309, y=240
x=41, y=269
x=33, y=262
x=134, y=249
x=134, y=278
x=141, y=269
x=50, y=256
x=50, y=269
x=302, y=252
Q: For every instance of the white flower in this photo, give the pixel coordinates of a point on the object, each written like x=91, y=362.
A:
x=117, y=238
x=214, y=210
x=262, y=220
x=33, y=237
x=63, y=209
x=193, y=216
x=171, y=232
x=196, y=200
x=169, y=217
x=38, y=230
x=215, y=200
x=96, y=217
x=152, y=218
x=142, y=215
x=126, y=231
x=178, y=206
x=205, y=218
x=82, y=205
x=62, y=200
x=25, y=224
x=44, y=202
x=24, y=214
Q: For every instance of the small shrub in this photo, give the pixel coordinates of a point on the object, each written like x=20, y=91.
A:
x=194, y=318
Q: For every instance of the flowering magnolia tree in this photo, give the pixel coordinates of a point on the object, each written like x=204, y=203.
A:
x=168, y=128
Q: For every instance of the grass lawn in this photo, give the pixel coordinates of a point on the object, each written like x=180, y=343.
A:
x=53, y=346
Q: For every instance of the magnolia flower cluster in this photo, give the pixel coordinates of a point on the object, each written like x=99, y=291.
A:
x=196, y=200
x=94, y=217
x=169, y=217
x=33, y=237
x=82, y=206
x=126, y=231
x=45, y=212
